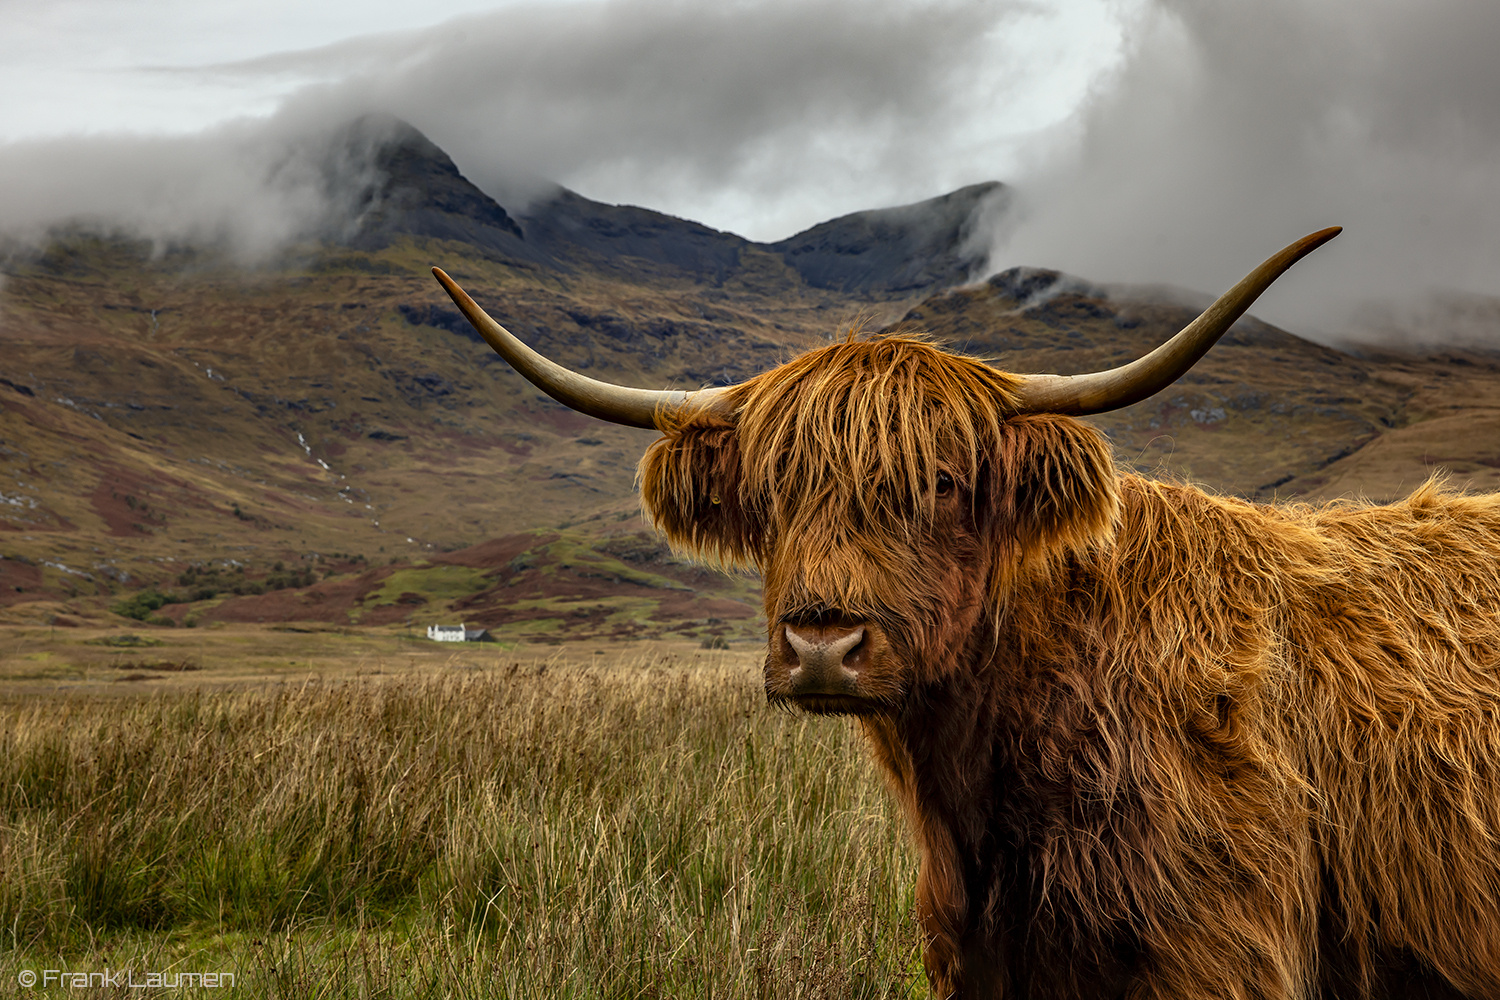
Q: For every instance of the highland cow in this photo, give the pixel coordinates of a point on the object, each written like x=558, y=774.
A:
x=1151, y=742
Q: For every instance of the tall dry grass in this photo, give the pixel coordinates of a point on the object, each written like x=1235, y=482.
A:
x=632, y=830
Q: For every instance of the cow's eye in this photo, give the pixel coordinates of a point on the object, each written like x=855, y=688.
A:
x=944, y=484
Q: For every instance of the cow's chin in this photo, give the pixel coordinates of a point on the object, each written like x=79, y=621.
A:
x=834, y=704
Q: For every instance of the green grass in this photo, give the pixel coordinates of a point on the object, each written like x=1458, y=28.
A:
x=436, y=583
x=576, y=554
x=628, y=830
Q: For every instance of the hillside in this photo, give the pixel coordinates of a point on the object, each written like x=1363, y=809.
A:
x=330, y=432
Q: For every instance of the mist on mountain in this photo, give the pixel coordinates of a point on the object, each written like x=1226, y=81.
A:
x=248, y=188
x=1233, y=129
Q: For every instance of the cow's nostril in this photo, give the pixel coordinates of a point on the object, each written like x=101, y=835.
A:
x=823, y=650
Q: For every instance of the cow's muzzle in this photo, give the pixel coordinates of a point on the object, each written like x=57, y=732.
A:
x=824, y=660
x=824, y=667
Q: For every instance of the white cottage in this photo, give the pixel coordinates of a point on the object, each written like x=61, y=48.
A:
x=456, y=633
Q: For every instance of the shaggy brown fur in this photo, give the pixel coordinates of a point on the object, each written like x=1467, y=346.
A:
x=1151, y=742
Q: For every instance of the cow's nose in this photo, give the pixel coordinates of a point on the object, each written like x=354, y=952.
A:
x=825, y=659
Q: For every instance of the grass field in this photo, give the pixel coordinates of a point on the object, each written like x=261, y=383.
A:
x=497, y=822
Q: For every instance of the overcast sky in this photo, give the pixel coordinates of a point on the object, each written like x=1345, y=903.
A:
x=1172, y=141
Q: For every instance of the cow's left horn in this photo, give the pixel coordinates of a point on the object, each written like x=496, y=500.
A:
x=617, y=403
x=1097, y=392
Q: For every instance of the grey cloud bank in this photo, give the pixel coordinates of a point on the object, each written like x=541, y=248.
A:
x=1232, y=129
x=776, y=114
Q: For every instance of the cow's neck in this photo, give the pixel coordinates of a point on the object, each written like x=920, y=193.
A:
x=983, y=761
x=992, y=735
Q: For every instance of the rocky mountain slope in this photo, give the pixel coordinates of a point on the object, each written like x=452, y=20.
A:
x=898, y=251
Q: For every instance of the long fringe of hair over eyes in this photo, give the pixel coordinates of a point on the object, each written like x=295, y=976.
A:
x=871, y=421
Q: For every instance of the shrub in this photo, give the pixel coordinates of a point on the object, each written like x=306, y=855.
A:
x=140, y=606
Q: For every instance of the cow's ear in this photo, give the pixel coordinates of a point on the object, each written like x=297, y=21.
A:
x=690, y=487
x=1053, y=490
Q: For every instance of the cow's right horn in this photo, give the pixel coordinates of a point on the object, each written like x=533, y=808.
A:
x=616, y=403
x=1097, y=392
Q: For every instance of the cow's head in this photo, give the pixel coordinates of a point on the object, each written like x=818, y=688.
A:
x=889, y=492
x=885, y=490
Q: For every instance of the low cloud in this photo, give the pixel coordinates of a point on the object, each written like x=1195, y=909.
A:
x=248, y=188
x=1233, y=129
x=776, y=113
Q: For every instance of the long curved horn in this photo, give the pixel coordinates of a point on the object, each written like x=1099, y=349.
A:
x=1097, y=392
x=616, y=403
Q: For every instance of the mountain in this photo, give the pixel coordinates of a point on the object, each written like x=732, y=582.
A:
x=631, y=241
x=883, y=253
x=168, y=413
x=329, y=431
x=418, y=191
x=898, y=251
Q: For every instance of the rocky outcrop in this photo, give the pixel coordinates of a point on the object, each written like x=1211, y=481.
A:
x=898, y=251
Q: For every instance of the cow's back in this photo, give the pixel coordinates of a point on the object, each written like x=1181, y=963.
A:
x=1398, y=658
